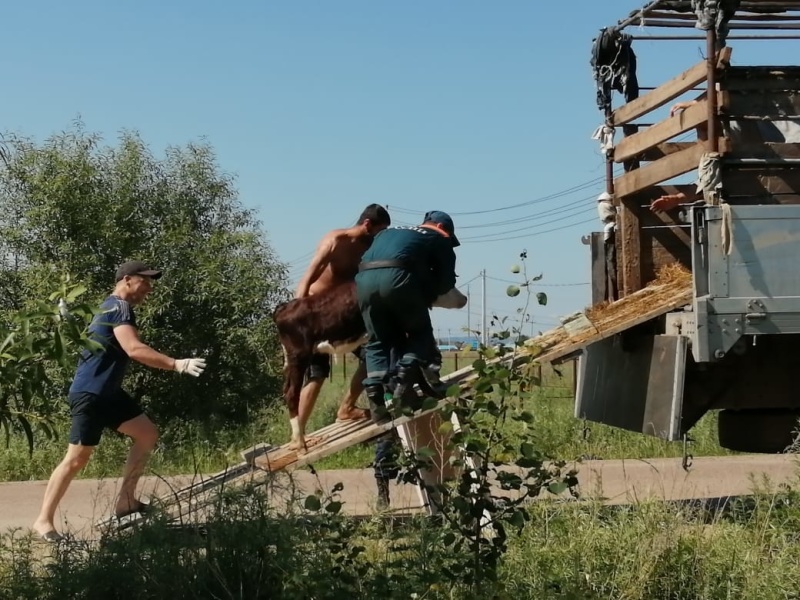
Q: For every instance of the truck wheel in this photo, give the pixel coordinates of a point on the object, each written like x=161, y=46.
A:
x=766, y=431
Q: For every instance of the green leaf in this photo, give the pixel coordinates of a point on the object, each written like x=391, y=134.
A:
x=453, y=391
x=541, y=298
x=559, y=487
x=425, y=452
x=26, y=426
x=312, y=503
x=515, y=269
x=512, y=290
x=78, y=290
x=333, y=507
x=525, y=416
x=527, y=450
x=446, y=427
x=58, y=348
x=429, y=404
x=517, y=519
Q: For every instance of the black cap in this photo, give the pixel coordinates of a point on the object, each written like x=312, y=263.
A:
x=443, y=219
x=137, y=267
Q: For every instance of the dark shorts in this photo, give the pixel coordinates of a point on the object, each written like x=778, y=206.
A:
x=320, y=367
x=92, y=413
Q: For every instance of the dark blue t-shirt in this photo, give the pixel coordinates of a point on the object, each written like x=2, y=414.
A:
x=102, y=372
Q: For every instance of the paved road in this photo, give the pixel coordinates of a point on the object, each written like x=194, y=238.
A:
x=616, y=481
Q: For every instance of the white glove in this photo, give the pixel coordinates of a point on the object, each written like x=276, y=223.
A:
x=192, y=366
x=63, y=310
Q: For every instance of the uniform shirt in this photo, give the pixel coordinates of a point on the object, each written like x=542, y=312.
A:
x=429, y=254
x=101, y=372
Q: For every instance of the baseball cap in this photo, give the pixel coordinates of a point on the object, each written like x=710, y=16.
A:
x=136, y=267
x=443, y=219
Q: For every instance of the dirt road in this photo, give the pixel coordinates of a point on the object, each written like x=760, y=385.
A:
x=616, y=481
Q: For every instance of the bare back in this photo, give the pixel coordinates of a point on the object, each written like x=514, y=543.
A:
x=336, y=261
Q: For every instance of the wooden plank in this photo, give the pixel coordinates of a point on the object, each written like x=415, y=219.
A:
x=668, y=91
x=766, y=150
x=761, y=186
x=662, y=150
x=691, y=16
x=283, y=458
x=661, y=132
x=598, y=263
x=661, y=95
x=760, y=78
x=569, y=346
x=771, y=104
x=646, y=196
x=658, y=171
x=629, y=230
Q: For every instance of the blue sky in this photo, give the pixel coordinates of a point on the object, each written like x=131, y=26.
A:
x=482, y=109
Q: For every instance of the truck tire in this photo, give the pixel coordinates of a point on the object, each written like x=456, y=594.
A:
x=763, y=430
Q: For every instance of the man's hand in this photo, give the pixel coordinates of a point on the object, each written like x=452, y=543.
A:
x=680, y=106
x=191, y=366
x=666, y=202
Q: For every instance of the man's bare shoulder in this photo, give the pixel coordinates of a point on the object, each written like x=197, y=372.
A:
x=335, y=236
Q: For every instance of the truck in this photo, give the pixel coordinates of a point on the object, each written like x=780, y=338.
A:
x=732, y=152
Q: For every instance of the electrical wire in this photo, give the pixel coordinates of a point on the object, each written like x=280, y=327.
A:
x=547, y=213
x=573, y=213
x=530, y=235
x=546, y=198
x=539, y=284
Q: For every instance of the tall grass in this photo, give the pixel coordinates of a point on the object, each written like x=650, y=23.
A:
x=186, y=448
x=577, y=551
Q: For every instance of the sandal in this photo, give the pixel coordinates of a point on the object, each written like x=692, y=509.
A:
x=52, y=536
x=141, y=508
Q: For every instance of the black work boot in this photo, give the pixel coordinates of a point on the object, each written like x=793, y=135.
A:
x=383, y=493
x=433, y=375
x=404, y=393
x=377, y=402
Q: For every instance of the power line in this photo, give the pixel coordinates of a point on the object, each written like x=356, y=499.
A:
x=537, y=283
x=547, y=213
x=547, y=198
x=530, y=235
x=529, y=227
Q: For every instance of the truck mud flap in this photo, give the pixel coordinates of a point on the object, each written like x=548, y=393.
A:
x=639, y=387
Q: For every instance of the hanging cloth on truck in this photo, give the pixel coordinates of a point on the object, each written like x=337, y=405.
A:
x=709, y=177
x=614, y=64
x=715, y=14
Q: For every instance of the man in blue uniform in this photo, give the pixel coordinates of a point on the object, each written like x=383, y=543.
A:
x=97, y=400
x=400, y=276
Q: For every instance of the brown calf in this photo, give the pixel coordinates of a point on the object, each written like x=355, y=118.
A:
x=329, y=322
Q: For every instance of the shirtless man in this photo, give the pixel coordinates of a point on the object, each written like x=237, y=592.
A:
x=336, y=261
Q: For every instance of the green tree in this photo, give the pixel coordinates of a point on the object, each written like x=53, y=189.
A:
x=71, y=205
x=34, y=346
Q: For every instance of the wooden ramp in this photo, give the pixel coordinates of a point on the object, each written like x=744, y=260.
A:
x=261, y=462
x=672, y=290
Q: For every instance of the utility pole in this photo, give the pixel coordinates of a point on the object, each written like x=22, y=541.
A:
x=484, y=324
x=469, y=311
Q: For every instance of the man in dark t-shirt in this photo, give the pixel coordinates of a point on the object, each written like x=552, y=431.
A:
x=97, y=400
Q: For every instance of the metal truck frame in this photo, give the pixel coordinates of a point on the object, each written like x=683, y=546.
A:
x=735, y=348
